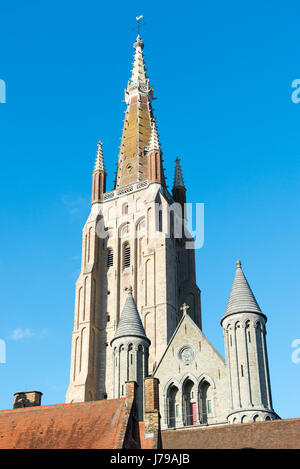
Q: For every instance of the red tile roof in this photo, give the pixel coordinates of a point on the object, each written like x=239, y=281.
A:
x=273, y=434
x=96, y=424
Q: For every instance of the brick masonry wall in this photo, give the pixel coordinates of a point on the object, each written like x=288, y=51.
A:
x=276, y=434
x=152, y=416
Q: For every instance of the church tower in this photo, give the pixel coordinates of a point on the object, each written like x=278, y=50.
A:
x=130, y=240
x=244, y=327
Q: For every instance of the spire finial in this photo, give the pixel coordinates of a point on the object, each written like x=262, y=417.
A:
x=238, y=264
x=139, y=41
x=138, y=75
x=130, y=289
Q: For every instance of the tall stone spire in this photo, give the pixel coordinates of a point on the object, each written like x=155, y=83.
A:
x=138, y=126
x=99, y=176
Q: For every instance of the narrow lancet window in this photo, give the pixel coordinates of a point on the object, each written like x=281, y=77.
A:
x=110, y=258
x=126, y=255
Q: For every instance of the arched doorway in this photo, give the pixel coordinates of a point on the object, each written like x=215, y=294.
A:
x=205, y=401
x=189, y=403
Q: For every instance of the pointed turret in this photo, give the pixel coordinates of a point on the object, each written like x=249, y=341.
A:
x=130, y=352
x=179, y=190
x=154, y=153
x=130, y=323
x=99, y=176
x=178, y=179
x=138, y=125
x=241, y=297
x=99, y=162
x=244, y=327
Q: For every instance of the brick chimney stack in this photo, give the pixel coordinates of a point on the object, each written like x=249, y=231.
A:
x=151, y=413
x=27, y=399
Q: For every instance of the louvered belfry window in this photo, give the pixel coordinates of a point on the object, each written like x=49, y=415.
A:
x=126, y=255
x=110, y=258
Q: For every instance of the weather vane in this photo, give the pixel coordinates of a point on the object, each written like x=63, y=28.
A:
x=138, y=18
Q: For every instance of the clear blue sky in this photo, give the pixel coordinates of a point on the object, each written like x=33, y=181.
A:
x=222, y=72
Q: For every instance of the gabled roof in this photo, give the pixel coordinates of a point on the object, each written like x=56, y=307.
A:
x=241, y=297
x=130, y=324
x=186, y=317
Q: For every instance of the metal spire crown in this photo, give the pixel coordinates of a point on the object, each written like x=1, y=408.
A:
x=139, y=80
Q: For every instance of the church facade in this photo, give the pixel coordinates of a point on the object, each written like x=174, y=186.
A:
x=137, y=304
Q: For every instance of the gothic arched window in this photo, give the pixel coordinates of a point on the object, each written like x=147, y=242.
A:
x=205, y=401
x=141, y=227
x=125, y=231
x=173, y=406
x=159, y=219
x=189, y=403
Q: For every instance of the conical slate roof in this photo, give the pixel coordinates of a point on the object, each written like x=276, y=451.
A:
x=241, y=297
x=130, y=323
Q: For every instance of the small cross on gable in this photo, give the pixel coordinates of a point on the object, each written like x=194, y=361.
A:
x=184, y=308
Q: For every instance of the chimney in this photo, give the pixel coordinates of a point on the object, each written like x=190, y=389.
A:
x=131, y=390
x=27, y=399
x=152, y=416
